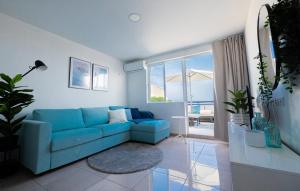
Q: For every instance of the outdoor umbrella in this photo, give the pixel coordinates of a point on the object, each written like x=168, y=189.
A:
x=192, y=74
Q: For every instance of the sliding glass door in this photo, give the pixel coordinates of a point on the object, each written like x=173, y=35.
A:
x=190, y=80
x=200, y=103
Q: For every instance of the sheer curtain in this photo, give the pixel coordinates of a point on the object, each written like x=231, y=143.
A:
x=231, y=73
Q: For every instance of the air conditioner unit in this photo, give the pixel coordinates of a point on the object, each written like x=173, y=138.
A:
x=135, y=66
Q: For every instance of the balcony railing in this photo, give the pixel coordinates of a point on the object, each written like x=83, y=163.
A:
x=201, y=107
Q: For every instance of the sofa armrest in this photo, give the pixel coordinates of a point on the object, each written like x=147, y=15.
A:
x=147, y=114
x=35, y=139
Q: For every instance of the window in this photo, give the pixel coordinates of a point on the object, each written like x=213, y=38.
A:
x=166, y=82
x=173, y=73
x=157, y=81
x=199, y=72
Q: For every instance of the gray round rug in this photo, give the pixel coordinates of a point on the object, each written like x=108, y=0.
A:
x=126, y=158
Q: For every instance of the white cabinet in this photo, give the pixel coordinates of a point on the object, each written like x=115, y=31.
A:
x=261, y=169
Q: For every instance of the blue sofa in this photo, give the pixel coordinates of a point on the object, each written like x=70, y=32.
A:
x=55, y=137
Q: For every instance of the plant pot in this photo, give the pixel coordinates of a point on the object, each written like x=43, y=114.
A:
x=8, y=168
x=9, y=155
x=240, y=118
x=8, y=142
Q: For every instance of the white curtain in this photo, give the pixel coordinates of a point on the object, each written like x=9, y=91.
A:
x=231, y=73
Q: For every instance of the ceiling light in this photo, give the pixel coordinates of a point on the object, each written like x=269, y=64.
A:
x=134, y=17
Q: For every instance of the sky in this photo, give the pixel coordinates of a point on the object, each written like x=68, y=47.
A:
x=201, y=90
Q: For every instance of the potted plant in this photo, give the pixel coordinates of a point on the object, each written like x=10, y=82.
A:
x=13, y=99
x=238, y=107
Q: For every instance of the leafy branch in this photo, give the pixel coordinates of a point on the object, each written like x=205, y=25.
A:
x=13, y=99
x=284, y=21
x=264, y=84
x=238, y=103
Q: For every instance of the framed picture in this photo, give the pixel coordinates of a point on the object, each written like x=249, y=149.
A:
x=100, y=77
x=80, y=74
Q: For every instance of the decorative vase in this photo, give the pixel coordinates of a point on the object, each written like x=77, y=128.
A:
x=272, y=136
x=240, y=118
x=258, y=122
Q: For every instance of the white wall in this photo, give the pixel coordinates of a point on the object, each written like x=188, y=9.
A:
x=137, y=88
x=180, y=53
x=137, y=91
x=21, y=44
x=286, y=115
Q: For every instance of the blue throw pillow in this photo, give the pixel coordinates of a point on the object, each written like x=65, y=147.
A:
x=146, y=115
x=135, y=113
x=128, y=114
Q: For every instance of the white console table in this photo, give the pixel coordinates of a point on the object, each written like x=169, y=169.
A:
x=261, y=169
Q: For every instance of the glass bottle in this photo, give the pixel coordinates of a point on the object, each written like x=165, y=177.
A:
x=258, y=122
x=272, y=136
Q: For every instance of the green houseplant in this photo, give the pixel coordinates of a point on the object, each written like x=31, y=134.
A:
x=285, y=25
x=239, y=103
x=13, y=99
x=238, y=107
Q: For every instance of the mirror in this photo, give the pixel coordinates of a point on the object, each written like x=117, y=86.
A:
x=267, y=51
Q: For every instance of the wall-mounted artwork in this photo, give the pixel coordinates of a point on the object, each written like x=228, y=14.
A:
x=80, y=74
x=100, y=77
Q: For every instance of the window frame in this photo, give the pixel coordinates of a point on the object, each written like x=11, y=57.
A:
x=183, y=72
x=149, y=82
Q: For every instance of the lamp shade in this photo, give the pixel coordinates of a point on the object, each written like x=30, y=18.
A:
x=40, y=65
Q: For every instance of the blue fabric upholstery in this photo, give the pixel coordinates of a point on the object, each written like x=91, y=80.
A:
x=153, y=126
x=135, y=113
x=65, y=135
x=62, y=157
x=95, y=116
x=60, y=119
x=128, y=114
x=114, y=128
x=147, y=137
x=140, y=120
x=117, y=107
x=34, y=140
x=150, y=131
x=71, y=138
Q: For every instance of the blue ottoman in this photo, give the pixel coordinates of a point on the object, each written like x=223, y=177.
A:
x=152, y=131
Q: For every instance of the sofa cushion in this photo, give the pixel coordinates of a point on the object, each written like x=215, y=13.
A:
x=117, y=116
x=95, y=116
x=60, y=119
x=117, y=107
x=71, y=138
x=151, y=126
x=146, y=114
x=114, y=128
x=135, y=113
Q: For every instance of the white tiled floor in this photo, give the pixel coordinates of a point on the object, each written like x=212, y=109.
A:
x=199, y=165
x=204, y=129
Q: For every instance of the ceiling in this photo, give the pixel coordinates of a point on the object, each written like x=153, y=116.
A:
x=165, y=25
